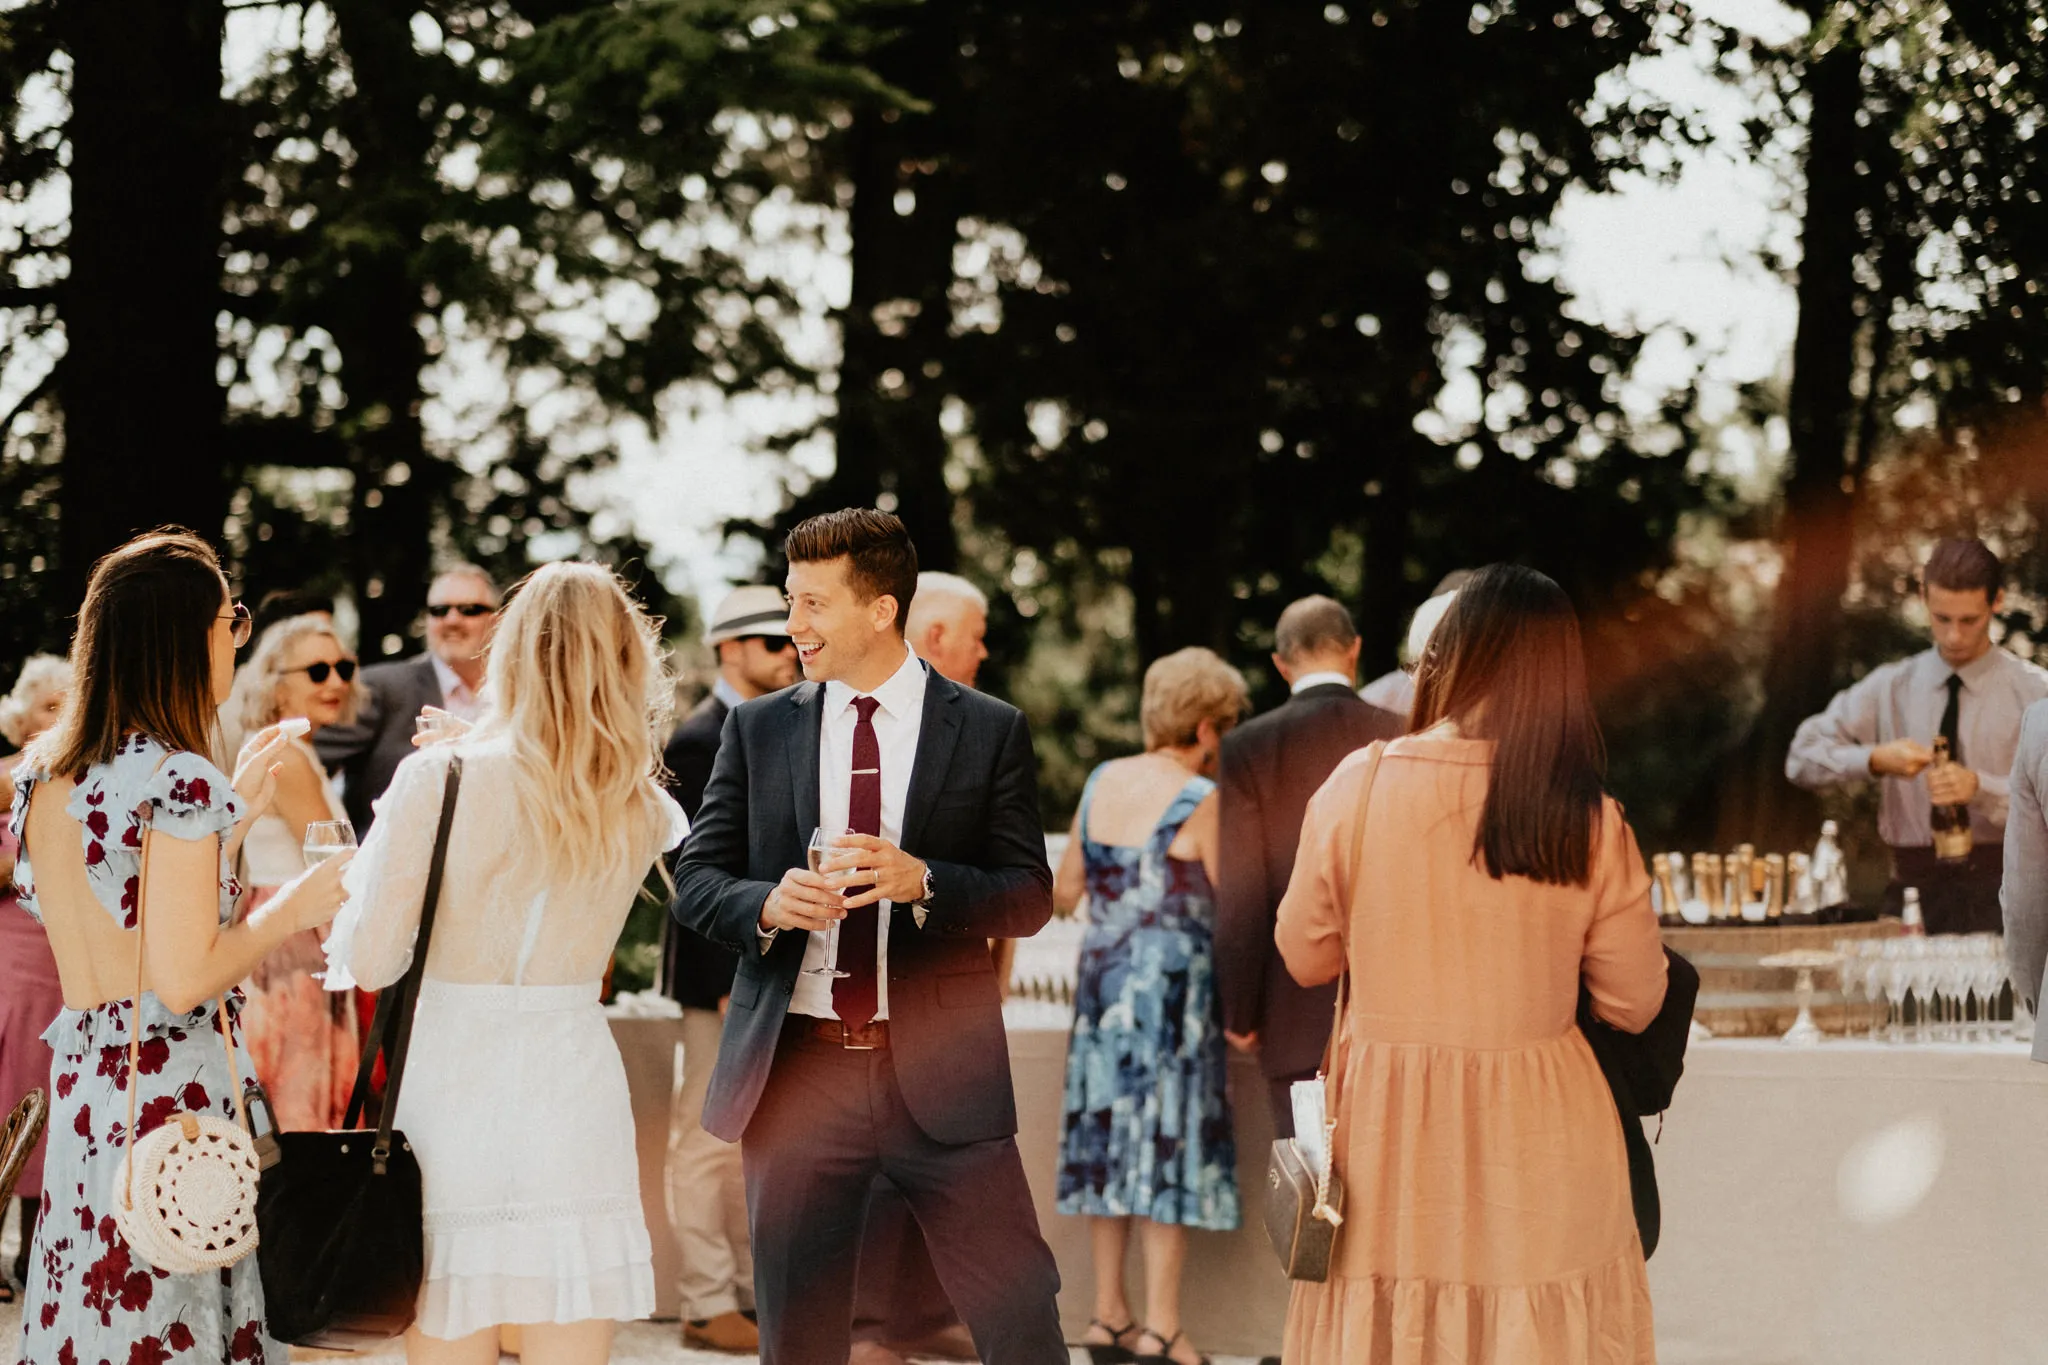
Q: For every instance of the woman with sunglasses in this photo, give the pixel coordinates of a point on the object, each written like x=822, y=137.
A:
x=302, y=1039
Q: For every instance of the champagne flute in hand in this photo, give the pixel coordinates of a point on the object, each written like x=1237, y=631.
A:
x=326, y=838
x=820, y=846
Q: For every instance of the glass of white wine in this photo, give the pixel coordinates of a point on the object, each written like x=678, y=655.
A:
x=325, y=838
x=820, y=846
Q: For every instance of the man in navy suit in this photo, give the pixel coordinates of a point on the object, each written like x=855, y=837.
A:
x=865, y=1031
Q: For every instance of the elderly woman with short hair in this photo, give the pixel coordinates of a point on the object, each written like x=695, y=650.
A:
x=302, y=1040
x=1146, y=1133
x=30, y=993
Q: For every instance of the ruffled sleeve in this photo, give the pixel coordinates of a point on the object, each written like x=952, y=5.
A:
x=17, y=823
x=371, y=941
x=189, y=798
x=675, y=825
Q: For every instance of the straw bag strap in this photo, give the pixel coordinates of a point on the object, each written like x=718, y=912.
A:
x=392, y=1025
x=147, y=814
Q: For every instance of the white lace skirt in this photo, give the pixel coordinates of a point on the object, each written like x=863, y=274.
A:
x=515, y=1102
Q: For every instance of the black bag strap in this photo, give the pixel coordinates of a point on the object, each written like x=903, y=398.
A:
x=391, y=1028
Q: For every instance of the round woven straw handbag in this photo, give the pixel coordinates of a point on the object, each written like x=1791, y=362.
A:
x=187, y=1190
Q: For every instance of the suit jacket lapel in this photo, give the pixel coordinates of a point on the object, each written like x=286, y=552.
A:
x=937, y=733
x=807, y=703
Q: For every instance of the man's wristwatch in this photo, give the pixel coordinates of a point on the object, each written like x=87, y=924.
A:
x=924, y=899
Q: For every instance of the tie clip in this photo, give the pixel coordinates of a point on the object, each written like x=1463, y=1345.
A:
x=857, y=772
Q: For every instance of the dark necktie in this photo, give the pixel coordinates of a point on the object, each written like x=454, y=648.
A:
x=853, y=995
x=1950, y=718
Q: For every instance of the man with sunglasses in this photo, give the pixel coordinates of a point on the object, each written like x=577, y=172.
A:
x=461, y=603
x=707, y=1193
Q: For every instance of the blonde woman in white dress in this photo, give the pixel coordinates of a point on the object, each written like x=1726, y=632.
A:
x=515, y=1097
x=302, y=1040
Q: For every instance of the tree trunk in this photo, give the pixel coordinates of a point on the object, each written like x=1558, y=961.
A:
x=892, y=384
x=142, y=406
x=375, y=321
x=1820, y=490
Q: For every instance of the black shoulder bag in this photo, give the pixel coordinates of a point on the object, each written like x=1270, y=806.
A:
x=342, y=1246
x=1642, y=1071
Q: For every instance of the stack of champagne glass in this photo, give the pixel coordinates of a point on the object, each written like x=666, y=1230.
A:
x=1949, y=989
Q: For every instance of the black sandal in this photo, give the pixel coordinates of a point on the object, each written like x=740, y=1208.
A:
x=1113, y=1351
x=1163, y=1356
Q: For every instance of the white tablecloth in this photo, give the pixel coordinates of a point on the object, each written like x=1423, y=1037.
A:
x=1851, y=1204
x=1854, y=1204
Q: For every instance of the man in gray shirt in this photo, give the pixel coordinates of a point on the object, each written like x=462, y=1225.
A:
x=1965, y=688
x=2026, y=867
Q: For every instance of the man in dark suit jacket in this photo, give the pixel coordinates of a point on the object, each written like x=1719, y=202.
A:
x=1271, y=766
x=750, y=632
x=878, y=1049
x=461, y=604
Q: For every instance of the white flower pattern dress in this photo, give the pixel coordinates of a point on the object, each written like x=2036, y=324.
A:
x=514, y=1096
x=90, y=1300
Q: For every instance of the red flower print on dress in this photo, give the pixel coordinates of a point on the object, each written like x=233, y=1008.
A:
x=113, y=1281
x=248, y=1342
x=96, y=821
x=179, y=1337
x=152, y=1055
x=49, y=1314
x=82, y=1125
x=113, y=1062
x=67, y=1354
x=155, y=1113
x=195, y=791
x=148, y=1351
x=65, y=1084
x=95, y=854
x=194, y=1097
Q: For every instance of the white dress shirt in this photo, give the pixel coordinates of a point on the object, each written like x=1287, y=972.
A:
x=897, y=722
x=457, y=699
x=1328, y=678
x=1905, y=700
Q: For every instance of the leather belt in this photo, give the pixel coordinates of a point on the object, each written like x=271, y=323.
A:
x=835, y=1032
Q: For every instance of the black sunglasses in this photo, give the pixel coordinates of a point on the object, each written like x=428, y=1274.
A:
x=471, y=609
x=344, y=670
x=774, y=644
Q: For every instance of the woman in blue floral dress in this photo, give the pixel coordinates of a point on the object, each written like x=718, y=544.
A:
x=153, y=658
x=1146, y=1133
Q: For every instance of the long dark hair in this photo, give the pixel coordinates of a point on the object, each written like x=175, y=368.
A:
x=142, y=658
x=1506, y=663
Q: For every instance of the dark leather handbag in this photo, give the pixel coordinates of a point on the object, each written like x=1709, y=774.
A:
x=343, y=1247
x=1642, y=1071
x=1304, y=1196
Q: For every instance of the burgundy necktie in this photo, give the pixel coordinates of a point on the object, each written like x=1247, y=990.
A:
x=853, y=995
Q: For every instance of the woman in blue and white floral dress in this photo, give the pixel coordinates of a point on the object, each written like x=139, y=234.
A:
x=153, y=658
x=1146, y=1133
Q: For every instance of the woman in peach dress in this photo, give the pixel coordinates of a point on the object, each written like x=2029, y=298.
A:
x=301, y=1039
x=1471, y=874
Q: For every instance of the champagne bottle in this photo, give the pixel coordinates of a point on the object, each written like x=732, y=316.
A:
x=1774, y=887
x=1909, y=912
x=1667, y=890
x=1734, y=887
x=1951, y=820
x=1830, y=870
x=1799, y=873
x=1706, y=883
